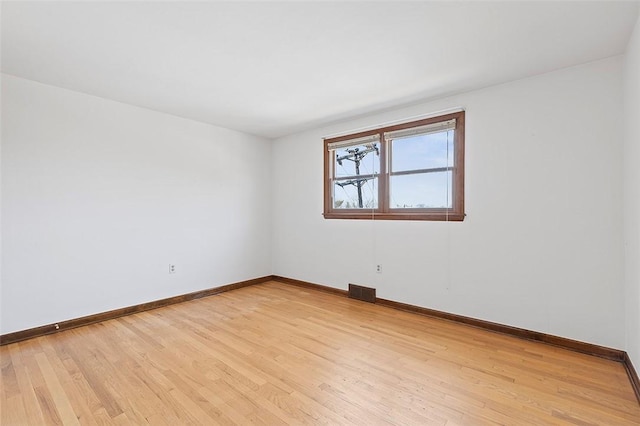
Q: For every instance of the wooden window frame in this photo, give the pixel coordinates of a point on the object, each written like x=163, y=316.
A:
x=384, y=211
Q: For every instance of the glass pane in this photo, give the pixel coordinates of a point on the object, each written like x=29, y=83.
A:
x=345, y=194
x=357, y=160
x=422, y=152
x=422, y=190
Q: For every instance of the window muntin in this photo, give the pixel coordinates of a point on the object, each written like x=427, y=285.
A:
x=409, y=171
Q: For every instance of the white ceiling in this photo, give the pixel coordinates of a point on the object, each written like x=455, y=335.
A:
x=272, y=69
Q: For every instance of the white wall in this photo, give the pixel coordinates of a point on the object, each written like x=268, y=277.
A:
x=98, y=197
x=632, y=194
x=541, y=247
x=0, y=178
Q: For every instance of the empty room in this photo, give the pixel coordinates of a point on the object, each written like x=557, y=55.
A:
x=344, y=213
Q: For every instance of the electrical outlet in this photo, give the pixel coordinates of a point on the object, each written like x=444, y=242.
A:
x=379, y=269
x=172, y=268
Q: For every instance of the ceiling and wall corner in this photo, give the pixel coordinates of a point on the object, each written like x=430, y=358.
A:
x=276, y=68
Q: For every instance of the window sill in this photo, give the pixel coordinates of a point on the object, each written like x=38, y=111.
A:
x=436, y=217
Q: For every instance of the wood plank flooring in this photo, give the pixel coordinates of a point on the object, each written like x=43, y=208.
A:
x=278, y=354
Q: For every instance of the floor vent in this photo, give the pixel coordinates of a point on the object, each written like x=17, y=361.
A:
x=359, y=292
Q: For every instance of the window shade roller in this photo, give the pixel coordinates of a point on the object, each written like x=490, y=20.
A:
x=354, y=142
x=442, y=126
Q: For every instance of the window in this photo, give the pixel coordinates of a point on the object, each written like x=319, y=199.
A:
x=411, y=171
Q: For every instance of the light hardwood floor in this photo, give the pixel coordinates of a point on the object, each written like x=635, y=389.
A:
x=279, y=354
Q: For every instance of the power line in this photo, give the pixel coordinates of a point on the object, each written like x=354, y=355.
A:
x=356, y=155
